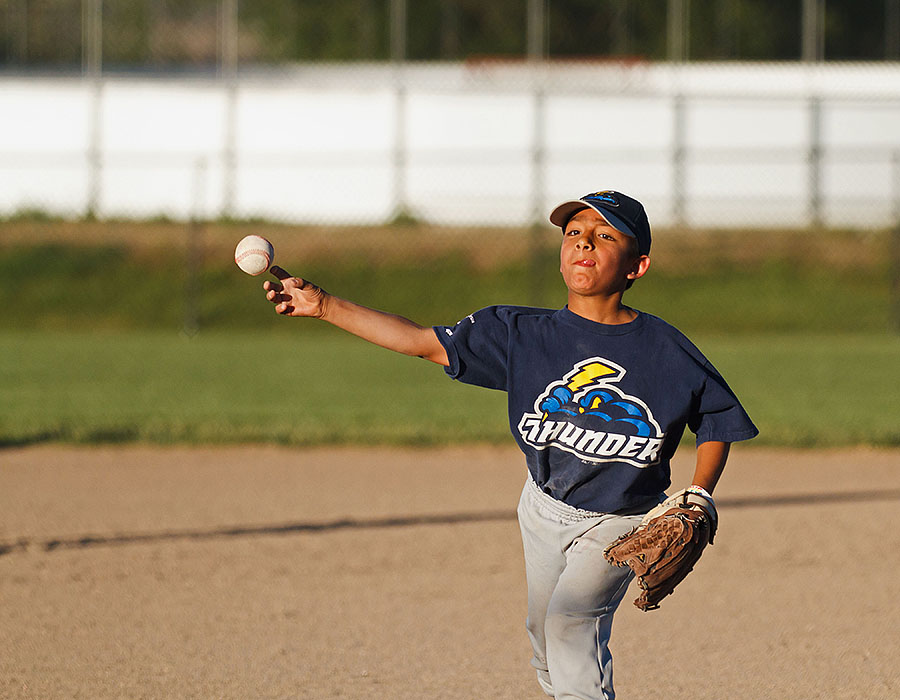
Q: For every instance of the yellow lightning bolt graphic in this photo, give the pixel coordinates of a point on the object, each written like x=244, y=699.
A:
x=591, y=373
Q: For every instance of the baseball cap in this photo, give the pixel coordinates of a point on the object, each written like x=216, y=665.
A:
x=624, y=214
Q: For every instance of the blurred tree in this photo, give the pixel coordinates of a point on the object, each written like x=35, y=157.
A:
x=141, y=34
x=159, y=33
x=40, y=32
x=450, y=38
x=314, y=30
x=767, y=30
x=467, y=28
x=623, y=28
x=855, y=30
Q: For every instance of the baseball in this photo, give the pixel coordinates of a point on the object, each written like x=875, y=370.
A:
x=254, y=255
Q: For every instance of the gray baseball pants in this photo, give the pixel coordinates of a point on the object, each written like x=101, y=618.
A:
x=572, y=593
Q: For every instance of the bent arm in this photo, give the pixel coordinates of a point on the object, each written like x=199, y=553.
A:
x=293, y=296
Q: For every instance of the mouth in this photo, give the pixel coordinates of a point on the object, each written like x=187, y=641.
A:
x=585, y=263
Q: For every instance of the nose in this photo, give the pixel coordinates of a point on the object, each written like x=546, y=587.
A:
x=584, y=241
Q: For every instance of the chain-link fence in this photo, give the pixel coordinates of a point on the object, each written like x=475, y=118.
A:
x=451, y=114
x=487, y=143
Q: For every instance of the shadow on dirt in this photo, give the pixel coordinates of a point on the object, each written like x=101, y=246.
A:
x=112, y=540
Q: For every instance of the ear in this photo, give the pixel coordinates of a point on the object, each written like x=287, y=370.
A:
x=639, y=267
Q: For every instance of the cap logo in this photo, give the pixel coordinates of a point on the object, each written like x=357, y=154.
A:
x=608, y=197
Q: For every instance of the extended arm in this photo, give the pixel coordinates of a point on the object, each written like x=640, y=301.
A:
x=293, y=296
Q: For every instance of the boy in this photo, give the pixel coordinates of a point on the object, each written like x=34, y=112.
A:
x=599, y=396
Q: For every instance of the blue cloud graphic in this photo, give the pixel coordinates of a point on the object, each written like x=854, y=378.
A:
x=603, y=407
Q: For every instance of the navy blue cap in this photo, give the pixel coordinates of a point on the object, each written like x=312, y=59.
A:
x=621, y=211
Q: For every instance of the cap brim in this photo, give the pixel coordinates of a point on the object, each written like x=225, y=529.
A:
x=565, y=211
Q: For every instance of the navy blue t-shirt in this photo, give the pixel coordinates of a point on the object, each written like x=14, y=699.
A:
x=597, y=409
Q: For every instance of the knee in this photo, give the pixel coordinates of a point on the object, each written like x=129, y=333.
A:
x=558, y=626
x=535, y=628
x=566, y=628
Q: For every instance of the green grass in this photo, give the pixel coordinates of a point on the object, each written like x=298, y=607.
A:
x=55, y=287
x=90, y=349
x=774, y=297
x=225, y=388
x=305, y=388
x=61, y=287
x=815, y=390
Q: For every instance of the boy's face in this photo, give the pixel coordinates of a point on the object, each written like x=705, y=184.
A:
x=597, y=259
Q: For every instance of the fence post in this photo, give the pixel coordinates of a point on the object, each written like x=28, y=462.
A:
x=398, y=20
x=812, y=50
x=536, y=39
x=91, y=37
x=895, y=276
x=537, y=229
x=194, y=252
x=536, y=55
x=894, y=244
x=92, y=69
x=815, y=161
x=812, y=47
x=678, y=49
x=679, y=175
x=678, y=31
x=895, y=185
x=227, y=70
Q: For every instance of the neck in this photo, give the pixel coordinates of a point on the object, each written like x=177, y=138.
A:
x=609, y=310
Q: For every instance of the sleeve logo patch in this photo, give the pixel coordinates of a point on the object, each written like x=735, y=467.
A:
x=587, y=415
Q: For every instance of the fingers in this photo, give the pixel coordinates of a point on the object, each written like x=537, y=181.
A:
x=293, y=296
x=276, y=291
x=279, y=273
x=275, y=294
x=276, y=297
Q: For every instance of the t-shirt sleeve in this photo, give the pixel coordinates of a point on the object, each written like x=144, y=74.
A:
x=477, y=347
x=718, y=414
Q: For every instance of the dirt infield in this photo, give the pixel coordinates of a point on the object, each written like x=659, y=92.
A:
x=263, y=572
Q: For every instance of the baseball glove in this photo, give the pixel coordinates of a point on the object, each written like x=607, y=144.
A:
x=663, y=549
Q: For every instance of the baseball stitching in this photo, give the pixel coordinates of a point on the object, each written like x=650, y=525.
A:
x=252, y=251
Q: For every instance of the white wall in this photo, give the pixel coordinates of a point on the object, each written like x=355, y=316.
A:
x=712, y=145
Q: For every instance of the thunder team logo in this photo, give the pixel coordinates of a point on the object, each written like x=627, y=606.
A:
x=587, y=415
